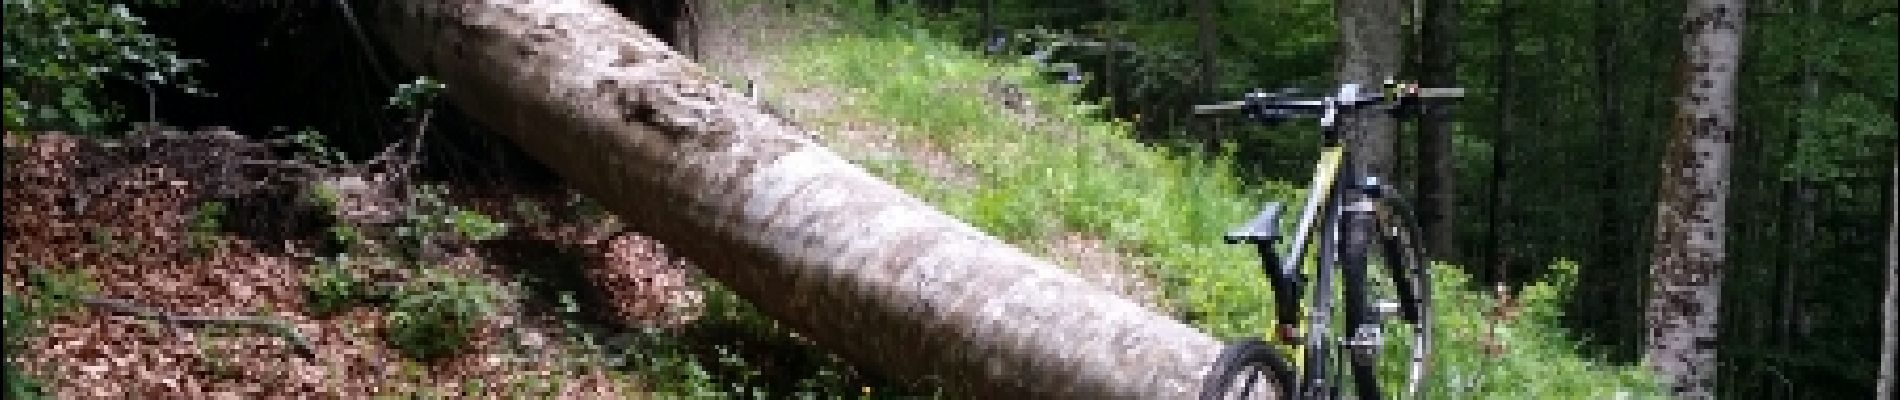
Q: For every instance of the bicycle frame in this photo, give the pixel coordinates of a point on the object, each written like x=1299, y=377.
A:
x=1340, y=206
x=1346, y=213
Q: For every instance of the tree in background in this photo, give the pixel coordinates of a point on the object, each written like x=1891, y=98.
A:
x=1686, y=268
x=1437, y=183
x=1207, y=39
x=1498, y=218
x=1890, y=308
x=1368, y=54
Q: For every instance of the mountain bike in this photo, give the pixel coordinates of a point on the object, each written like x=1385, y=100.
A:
x=1344, y=211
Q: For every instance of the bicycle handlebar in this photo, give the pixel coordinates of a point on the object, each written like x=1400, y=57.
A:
x=1312, y=103
x=1277, y=106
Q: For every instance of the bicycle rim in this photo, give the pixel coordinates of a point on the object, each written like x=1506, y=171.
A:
x=1249, y=369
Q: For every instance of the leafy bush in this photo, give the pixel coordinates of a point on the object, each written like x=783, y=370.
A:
x=438, y=313
x=55, y=291
x=332, y=289
x=205, y=223
x=432, y=221
x=1530, y=355
x=19, y=322
x=59, y=54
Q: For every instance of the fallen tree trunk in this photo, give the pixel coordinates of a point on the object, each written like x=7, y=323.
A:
x=842, y=257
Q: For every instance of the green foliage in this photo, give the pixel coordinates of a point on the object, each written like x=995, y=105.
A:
x=433, y=314
x=475, y=226
x=316, y=149
x=206, y=222
x=58, y=290
x=20, y=322
x=333, y=288
x=413, y=94
x=438, y=313
x=23, y=386
x=1817, y=95
x=60, y=53
x=432, y=219
x=1539, y=358
x=55, y=291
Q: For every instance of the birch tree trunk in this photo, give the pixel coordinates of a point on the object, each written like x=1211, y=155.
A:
x=1686, y=269
x=842, y=257
x=1890, y=307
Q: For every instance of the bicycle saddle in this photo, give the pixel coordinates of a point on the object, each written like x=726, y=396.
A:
x=1263, y=228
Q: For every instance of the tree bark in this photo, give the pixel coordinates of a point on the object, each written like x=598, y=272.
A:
x=1798, y=198
x=987, y=25
x=1437, y=180
x=1207, y=38
x=1609, y=222
x=1499, y=254
x=1890, y=307
x=847, y=260
x=1602, y=284
x=1110, y=34
x=1686, y=269
x=1368, y=54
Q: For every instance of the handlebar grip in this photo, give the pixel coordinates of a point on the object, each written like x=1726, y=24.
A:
x=1441, y=92
x=1219, y=107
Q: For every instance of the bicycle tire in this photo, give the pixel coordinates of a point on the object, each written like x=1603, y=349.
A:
x=1248, y=358
x=1417, y=269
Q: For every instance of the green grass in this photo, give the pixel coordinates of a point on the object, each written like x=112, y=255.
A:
x=1539, y=358
x=1078, y=172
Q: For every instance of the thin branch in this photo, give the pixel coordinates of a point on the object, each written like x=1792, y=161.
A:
x=297, y=341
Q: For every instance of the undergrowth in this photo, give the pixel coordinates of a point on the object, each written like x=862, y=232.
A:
x=55, y=291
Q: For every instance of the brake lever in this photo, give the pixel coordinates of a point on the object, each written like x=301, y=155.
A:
x=1259, y=107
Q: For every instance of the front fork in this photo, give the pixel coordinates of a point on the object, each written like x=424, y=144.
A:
x=1363, y=335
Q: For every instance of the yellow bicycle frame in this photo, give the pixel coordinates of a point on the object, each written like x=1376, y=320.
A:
x=1324, y=177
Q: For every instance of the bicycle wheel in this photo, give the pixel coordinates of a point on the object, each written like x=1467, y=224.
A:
x=1246, y=370
x=1409, y=274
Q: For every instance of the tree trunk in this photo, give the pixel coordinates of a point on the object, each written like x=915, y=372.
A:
x=847, y=260
x=1110, y=38
x=1207, y=39
x=1368, y=54
x=1686, y=269
x=1609, y=222
x=1602, y=283
x=1798, y=198
x=1890, y=307
x=1437, y=182
x=1499, y=254
x=987, y=25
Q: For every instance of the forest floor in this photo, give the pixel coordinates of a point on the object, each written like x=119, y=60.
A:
x=88, y=224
